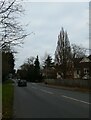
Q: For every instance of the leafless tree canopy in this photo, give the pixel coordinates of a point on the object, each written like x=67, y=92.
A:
x=63, y=49
x=78, y=51
x=11, y=31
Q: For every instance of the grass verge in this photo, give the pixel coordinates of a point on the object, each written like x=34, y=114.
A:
x=7, y=99
x=0, y=91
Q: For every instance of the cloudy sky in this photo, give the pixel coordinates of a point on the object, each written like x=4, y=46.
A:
x=45, y=20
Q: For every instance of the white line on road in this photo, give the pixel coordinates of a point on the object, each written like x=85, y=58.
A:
x=46, y=91
x=33, y=83
x=75, y=99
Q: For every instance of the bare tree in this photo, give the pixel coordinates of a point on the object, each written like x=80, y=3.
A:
x=63, y=51
x=11, y=31
x=43, y=58
x=78, y=51
x=30, y=60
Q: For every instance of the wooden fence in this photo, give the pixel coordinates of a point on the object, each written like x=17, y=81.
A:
x=72, y=83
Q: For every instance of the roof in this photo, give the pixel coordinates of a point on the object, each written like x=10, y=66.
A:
x=89, y=57
x=85, y=60
x=77, y=61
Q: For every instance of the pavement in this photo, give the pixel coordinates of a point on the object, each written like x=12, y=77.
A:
x=39, y=101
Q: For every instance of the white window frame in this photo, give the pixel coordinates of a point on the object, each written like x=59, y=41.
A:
x=86, y=71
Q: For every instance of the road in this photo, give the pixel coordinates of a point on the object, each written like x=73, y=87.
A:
x=38, y=101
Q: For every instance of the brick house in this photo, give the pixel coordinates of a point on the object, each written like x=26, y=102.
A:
x=82, y=68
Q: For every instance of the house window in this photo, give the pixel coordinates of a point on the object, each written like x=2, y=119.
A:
x=86, y=70
x=78, y=72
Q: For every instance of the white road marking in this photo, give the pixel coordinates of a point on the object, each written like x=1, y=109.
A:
x=33, y=83
x=62, y=95
x=76, y=99
x=46, y=91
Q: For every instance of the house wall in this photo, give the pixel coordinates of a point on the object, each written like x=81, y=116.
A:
x=76, y=75
x=82, y=66
x=85, y=66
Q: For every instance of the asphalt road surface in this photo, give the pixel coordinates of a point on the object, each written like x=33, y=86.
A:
x=38, y=101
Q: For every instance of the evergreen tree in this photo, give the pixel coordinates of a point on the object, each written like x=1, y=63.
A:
x=30, y=70
x=48, y=68
x=36, y=63
x=48, y=61
x=37, y=68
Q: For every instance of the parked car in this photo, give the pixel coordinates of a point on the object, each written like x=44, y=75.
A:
x=22, y=83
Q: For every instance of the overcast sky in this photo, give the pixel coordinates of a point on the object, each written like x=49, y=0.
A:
x=45, y=20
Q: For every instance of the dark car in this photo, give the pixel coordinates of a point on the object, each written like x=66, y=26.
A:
x=22, y=83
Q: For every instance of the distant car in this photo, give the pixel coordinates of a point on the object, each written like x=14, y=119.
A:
x=22, y=83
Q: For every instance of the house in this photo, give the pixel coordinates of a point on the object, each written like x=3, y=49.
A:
x=82, y=68
x=77, y=70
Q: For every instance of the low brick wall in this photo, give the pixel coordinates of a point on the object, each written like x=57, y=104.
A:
x=72, y=83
